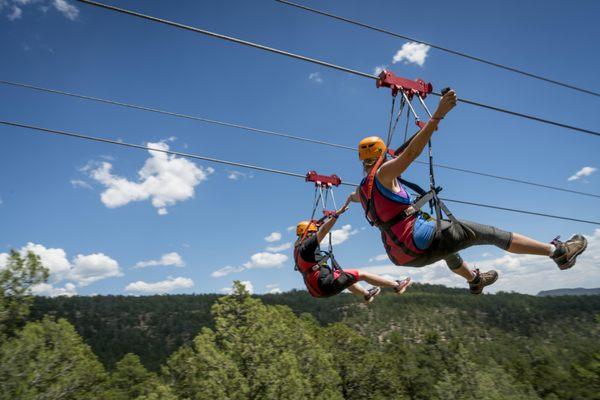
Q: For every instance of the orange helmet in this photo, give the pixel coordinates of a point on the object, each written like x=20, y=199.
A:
x=303, y=225
x=371, y=147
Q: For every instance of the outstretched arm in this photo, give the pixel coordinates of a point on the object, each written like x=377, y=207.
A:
x=394, y=168
x=329, y=223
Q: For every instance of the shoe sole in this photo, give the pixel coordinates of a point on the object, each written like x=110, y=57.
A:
x=404, y=286
x=573, y=258
x=372, y=297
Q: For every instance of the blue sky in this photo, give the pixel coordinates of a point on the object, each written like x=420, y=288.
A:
x=92, y=210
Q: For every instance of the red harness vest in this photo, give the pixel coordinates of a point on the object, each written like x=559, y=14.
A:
x=310, y=272
x=397, y=237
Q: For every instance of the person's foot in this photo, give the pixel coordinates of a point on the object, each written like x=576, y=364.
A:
x=402, y=285
x=481, y=280
x=566, y=253
x=374, y=291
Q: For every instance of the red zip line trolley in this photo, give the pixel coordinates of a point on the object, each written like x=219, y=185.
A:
x=409, y=89
x=324, y=185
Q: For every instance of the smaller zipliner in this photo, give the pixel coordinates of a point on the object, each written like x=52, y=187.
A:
x=322, y=274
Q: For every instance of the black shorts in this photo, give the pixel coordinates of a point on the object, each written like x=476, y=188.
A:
x=330, y=285
x=454, y=237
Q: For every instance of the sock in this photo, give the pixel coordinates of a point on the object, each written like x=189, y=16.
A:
x=558, y=251
x=475, y=280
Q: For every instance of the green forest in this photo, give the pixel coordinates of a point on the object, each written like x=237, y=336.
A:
x=431, y=343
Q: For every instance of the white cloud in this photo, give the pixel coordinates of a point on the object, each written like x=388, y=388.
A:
x=82, y=270
x=166, y=286
x=281, y=247
x=585, y=171
x=164, y=178
x=315, y=77
x=78, y=183
x=16, y=13
x=93, y=267
x=379, y=69
x=52, y=258
x=291, y=228
x=339, y=236
x=518, y=273
x=247, y=284
x=266, y=260
x=258, y=260
x=169, y=259
x=69, y=11
x=274, y=291
x=273, y=237
x=46, y=289
x=226, y=271
x=237, y=175
x=412, y=52
x=379, y=257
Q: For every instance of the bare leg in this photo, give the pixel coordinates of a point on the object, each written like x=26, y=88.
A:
x=523, y=245
x=464, y=271
x=358, y=290
x=377, y=280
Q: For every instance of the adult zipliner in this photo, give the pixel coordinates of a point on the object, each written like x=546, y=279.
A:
x=322, y=274
x=412, y=237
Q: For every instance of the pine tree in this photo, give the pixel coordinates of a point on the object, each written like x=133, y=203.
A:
x=16, y=279
x=48, y=360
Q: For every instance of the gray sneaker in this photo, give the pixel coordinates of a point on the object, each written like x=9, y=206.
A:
x=566, y=252
x=481, y=280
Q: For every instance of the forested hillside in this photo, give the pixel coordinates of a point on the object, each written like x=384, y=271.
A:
x=431, y=343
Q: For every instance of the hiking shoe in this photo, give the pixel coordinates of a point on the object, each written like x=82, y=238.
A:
x=374, y=291
x=566, y=253
x=402, y=285
x=481, y=280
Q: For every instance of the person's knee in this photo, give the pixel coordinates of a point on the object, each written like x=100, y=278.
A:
x=454, y=261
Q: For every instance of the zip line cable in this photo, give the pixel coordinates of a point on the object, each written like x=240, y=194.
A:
x=323, y=63
x=274, y=133
x=437, y=47
x=259, y=168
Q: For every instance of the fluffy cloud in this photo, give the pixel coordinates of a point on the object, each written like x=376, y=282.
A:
x=518, y=273
x=315, y=77
x=281, y=247
x=164, y=178
x=15, y=13
x=291, y=228
x=258, y=260
x=93, y=267
x=379, y=257
x=16, y=7
x=412, y=52
x=226, y=271
x=339, y=236
x=585, y=171
x=169, y=259
x=237, y=175
x=82, y=270
x=78, y=183
x=273, y=237
x=68, y=10
x=166, y=286
x=266, y=260
x=46, y=289
x=274, y=291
